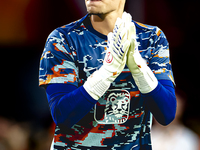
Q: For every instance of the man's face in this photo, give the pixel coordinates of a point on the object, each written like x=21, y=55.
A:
x=102, y=6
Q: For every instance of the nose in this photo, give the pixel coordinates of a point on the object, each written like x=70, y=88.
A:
x=119, y=109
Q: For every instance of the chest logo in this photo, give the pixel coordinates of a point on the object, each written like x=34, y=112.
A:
x=113, y=107
x=109, y=58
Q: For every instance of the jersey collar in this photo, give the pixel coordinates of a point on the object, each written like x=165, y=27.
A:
x=89, y=26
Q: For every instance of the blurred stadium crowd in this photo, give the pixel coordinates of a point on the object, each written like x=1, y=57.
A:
x=25, y=120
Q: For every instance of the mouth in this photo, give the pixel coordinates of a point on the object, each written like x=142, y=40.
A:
x=94, y=0
x=94, y=6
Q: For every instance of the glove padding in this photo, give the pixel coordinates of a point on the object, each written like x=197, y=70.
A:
x=115, y=59
x=142, y=74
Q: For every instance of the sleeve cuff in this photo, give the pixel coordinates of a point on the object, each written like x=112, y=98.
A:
x=87, y=96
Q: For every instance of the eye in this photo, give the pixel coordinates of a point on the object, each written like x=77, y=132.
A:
x=112, y=99
x=126, y=99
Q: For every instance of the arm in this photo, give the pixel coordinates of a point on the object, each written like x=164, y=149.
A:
x=162, y=102
x=75, y=103
x=115, y=59
x=155, y=80
x=59, y=75
x=68, y=104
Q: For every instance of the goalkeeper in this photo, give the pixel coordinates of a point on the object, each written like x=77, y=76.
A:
x=105, y=77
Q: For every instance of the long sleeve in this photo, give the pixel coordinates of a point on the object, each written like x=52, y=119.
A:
x=162, y=102
x=68, y=104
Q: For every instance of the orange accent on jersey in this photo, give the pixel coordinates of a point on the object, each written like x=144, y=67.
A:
x=57, y=137
x=171, y=77
x=135, y=94
x=54, y=44
x=136, y=115
x=141, y=24
x=58, y=74
x=152, y=52
x=114, y=73
x=43, y=82
x=158, y=56
x=164, y=70
x=158, y=33
x=45, y=54
x=123, y=80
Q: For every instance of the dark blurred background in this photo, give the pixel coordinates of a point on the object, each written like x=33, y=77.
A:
x=24, y=27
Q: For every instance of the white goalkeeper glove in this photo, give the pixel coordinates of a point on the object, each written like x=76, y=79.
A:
x=115, y=59
x=142, y=74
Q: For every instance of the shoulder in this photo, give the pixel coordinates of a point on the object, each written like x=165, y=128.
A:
x=61, y=34
x=144, y=28
x=150, y=37
x=71, y=27
x=67, y=33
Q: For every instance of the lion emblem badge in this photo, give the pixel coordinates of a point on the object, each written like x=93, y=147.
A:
x=113, y=107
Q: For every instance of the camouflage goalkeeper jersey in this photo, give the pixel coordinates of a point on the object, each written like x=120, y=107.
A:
x=119, y=120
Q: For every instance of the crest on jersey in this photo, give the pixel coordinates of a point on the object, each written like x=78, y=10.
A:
x=109, y=58
x=113, y=107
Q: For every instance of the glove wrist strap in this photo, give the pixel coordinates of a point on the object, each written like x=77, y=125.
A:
x=145, y=80
x=96, y=85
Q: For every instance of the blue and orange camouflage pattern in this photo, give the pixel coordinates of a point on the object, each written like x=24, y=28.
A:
x=119, y=120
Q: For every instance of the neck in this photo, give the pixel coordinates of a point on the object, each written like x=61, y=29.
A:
x=105, y=23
